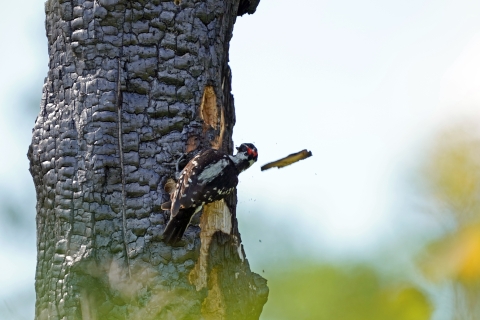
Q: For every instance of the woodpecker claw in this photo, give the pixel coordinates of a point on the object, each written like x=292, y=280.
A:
x=177, y=164
x=177, y=170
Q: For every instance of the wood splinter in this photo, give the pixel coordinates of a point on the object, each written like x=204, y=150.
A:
x=288, y=160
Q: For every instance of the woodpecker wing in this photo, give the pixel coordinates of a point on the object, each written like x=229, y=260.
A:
x=288, y=160
x=208, y=177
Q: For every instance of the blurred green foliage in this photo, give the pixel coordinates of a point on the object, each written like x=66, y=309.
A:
x=316, y=291
x=452, y=173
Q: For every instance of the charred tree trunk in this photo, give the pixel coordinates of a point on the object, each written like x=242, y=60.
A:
x=132, y=84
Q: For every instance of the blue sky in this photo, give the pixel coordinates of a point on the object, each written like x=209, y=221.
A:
x=364, y=85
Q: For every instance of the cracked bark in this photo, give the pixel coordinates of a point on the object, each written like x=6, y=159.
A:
x=130, y=85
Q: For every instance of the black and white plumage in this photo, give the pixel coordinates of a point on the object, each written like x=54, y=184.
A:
x=210, y=176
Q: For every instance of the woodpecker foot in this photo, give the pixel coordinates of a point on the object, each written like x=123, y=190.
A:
x=180, y=156
x=177, y=170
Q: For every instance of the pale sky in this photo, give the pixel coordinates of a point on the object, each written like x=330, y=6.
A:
x=364, y=85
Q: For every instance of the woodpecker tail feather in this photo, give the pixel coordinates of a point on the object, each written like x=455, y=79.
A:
x=177, y=225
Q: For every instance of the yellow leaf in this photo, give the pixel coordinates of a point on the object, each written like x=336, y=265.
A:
x=456, y=257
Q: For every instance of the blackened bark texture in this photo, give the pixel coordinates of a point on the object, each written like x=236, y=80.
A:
x=131, y=85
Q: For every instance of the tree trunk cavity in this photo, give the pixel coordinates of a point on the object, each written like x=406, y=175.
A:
x=131, y=85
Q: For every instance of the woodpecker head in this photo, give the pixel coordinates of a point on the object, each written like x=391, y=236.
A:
x=246, y=156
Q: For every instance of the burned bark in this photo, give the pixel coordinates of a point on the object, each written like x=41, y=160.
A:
x=131, y=84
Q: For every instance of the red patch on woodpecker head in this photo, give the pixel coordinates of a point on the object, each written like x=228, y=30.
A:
x=252, y=152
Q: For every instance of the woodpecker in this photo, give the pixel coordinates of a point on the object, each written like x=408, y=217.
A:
x=210, y=176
